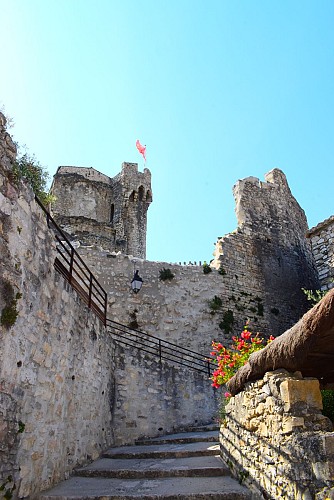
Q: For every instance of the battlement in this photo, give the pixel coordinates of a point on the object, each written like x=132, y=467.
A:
x=86, y=172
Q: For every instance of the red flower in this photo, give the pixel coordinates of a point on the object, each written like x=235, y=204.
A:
x=246, y=335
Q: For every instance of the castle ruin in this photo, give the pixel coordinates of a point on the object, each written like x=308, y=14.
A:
x=108, y=212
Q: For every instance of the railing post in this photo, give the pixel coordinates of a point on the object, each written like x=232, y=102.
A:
x=71, y=263
x=90, y=290
x=160, y=350
x=209, y=371
x=105, y=307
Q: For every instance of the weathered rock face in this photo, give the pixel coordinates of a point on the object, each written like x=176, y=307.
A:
x=322, y=242
x=275, y=438
x=109, y=212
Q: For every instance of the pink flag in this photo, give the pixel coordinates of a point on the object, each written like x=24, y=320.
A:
x=141, y=149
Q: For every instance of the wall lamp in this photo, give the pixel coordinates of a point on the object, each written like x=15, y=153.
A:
x=137, y=282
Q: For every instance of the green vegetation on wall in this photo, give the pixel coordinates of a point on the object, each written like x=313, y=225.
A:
x=27, y=168
x=165, y=274
x=9, y=313
x=227, y=322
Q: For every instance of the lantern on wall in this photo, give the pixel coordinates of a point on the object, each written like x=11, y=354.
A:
x=137, y=282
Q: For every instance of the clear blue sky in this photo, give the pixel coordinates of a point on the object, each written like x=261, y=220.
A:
x=218, y=90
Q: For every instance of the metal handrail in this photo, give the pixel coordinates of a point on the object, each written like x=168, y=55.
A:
x=69, y=263
x=160, y=348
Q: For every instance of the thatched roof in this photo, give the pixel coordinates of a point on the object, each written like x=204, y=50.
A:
x=307, y=347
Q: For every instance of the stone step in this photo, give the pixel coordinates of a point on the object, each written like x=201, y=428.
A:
x=182, y=437
x=207, y=466
x=199, y=488
x=171, y=450
x=173, y=467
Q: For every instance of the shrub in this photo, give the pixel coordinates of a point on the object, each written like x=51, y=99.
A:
x=221, y=271
x=206, y=268
x=9, y=313
x=227, y=322
x=215, y=303
x=165, y=274
x=27, y=168
x=314, y=296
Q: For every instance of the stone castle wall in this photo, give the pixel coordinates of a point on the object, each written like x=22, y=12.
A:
x=276, y=440
x=257, y=274
x=56, y=360
x=322, y=242
x=269, y=248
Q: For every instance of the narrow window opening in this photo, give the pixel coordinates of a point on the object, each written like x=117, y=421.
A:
x=141, y=193
x=112, y=213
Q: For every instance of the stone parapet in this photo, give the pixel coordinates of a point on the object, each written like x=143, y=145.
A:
x=275, y=438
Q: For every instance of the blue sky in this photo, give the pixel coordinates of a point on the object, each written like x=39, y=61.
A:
x=217, y=90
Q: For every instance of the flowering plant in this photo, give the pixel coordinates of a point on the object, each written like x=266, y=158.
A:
x=229, y=360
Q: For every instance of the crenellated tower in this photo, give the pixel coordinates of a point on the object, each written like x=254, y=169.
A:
x=98, y=210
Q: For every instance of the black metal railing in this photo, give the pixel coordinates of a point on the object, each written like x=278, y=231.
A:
x=71, y=266
x=159, y=348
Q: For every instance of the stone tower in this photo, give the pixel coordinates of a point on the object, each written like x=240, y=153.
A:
x=98, y=210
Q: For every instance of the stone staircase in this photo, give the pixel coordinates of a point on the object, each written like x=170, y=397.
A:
x=184, y=466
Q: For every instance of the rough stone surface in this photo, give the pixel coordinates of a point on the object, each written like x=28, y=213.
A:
x=153, y=398
x=280, y=445
x=322, y=242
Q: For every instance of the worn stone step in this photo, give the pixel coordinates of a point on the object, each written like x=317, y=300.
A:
x=171, y=450
x=199, y=488
x=208, y=427
x=207, y=466
x=182, y=437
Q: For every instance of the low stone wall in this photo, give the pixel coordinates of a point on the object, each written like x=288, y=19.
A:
x=154, y=398
x=276, y=440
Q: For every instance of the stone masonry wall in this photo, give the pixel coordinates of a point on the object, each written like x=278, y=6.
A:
x=56, y=360
x=153, y=399
x=276, y=440
x=322, y=242
x=177, y=310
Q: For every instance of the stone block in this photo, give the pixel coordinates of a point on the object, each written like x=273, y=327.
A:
x=290, y=423
x=323, y=471
x=328, y=444
x=301, y=391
